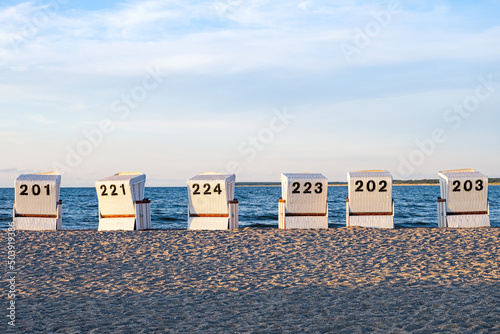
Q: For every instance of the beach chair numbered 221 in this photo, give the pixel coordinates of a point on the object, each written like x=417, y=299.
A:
x=122, y=205
x=464, y=199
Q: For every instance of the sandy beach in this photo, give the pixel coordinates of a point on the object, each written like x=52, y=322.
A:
x=344, y=280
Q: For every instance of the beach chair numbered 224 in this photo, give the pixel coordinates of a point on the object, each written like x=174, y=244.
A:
x=212, y=205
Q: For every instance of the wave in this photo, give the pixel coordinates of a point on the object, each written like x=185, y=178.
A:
x=5, y=218
x=258, y=225
x=263, y=217
x=415, y=207
x=168, y=219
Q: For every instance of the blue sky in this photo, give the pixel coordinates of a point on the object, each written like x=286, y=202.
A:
x=175, y=88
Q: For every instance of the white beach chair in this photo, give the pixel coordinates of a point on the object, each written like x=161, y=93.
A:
x=464, y=199
x=122, y=205
x=369, y=202
x=37, y=205
x=303, y=203
x=211, y=202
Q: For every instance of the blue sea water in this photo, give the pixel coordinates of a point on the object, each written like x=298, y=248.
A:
x=415, y=206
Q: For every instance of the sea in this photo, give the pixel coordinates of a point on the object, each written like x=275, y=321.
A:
x=415, y=206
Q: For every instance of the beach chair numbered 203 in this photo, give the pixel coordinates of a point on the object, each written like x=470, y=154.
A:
x=464, y=199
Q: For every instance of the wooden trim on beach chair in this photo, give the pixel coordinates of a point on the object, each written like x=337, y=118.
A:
x=305, y=214
x=35, y=216
x=467, y=213
x=370, y=214
x=144, y=201
x=117, y=216
x=209, y=215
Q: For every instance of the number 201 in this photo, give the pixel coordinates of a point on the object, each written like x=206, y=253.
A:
x=371, y=186
x=467, y=185
x=35, y=190
x=207, y=187
x=308, y=185
x=113, y=189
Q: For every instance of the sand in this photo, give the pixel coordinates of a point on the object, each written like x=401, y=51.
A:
x=344, y=280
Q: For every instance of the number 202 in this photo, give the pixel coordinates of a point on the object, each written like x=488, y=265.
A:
x=371, y=186
x=207, y=187
x=308, y=185
x=35, y=190
x=467, y=185
x=113, y=189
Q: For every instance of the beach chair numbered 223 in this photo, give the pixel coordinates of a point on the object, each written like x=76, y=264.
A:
x=303, y=203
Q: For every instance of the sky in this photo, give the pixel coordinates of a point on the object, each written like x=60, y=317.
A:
x=256, y=88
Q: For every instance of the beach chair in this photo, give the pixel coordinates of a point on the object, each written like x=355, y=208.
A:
x=303, y=203
x=122, y=205
x=464, y=199
x=37, y=205
x=211, y=202
x=369, y=202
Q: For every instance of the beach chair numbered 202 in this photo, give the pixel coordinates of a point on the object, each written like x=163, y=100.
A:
x=212, y=205
x=122, y=205
x=370, y=202
x=303, y=203
x=464, y=199
x=37, y=205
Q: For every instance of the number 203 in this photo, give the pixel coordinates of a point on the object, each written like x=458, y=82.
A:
x=468, y=185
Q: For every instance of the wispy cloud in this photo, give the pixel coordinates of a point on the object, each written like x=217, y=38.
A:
x=230, y=62
x=191, y=37
x=40, y=119
x=15, y=170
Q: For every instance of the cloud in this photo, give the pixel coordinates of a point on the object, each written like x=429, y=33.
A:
x=305, y=5
x=187, y=125
x=229, y=63
x=15, y=170
x=4, y=123
x=40, y=119
x=192, y=37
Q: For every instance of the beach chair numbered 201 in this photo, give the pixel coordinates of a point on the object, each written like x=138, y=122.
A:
x=37, y=205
